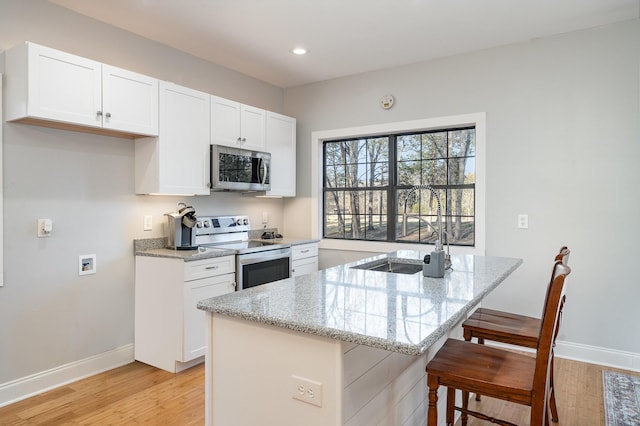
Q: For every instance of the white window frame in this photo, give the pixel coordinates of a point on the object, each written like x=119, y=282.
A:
x=317, y=138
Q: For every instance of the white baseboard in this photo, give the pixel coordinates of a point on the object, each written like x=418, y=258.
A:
x=591, y=354
x=597, y=355
x=34, y=384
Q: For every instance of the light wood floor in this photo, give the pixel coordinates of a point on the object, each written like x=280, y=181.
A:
x=578, y=396
x=138, y=394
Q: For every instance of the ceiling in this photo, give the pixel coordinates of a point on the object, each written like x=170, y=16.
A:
x=344, y=37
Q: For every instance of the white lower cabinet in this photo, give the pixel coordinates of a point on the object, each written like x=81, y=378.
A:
x=304, y=259
x=169, y=328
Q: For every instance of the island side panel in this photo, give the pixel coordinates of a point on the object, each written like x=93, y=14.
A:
x=388, y=388
x=249, y=369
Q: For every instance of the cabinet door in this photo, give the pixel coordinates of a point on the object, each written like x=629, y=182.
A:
x=183, y=144
x=304, y=266
x=281, y=143
x=129, y=101
x=253, y=128
x=63, y=87
x=194, y=344
x=225, y=122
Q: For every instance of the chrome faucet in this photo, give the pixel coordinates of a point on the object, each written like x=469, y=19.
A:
x=438, y=212
x=439, y=231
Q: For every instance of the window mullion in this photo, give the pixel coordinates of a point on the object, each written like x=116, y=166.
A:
x=392, y=191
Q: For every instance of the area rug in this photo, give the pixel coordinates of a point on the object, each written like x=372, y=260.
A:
x=621, y=399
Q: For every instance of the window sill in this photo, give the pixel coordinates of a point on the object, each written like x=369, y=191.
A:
x=386, y=247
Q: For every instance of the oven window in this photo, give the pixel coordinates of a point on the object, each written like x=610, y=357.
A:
x=259, y=273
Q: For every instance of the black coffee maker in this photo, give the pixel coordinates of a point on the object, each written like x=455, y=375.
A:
x=181, y=228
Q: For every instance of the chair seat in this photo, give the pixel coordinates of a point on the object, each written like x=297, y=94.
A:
x=490, y=371
x=503, y=327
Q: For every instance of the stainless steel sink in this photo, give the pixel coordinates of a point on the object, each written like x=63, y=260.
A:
x=392, y=266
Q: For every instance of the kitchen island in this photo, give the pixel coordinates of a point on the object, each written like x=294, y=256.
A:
x=346, y=345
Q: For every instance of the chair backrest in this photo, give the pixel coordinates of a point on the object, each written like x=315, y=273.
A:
x=548, y=330
x=563, y=255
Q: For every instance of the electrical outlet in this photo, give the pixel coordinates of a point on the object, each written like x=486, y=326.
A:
x=306, y=390
x=523, y=221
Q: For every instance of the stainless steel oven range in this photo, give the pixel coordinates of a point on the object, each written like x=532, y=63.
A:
x=257, y=262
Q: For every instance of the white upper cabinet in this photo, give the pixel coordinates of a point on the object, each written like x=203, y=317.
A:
x=176, y=162
x=49, y=87
x=225, y=122
x=252, y=128
x=281, y=143
x=237, y=125
x=129, y=101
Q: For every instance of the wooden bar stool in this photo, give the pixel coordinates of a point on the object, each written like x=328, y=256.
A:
x=496, y=372
x=520, y=330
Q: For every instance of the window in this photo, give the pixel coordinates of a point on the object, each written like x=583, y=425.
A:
x=383, y=187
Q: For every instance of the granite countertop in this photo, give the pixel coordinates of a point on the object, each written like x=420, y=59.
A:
x=396, y=312
x=157, y=247
x=187, y=255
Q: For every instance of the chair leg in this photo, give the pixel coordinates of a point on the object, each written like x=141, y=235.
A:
x=552, y=394
x=480, y=342
x=465, y=406
x=433, y=383
x=451, y=399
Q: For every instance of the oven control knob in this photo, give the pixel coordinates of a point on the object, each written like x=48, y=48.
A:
x=199, y=225
x=245, y=221
x=239, y=222
x=206, y=224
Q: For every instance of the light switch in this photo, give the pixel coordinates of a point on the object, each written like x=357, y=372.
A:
x=147, y=224
x=523, y=221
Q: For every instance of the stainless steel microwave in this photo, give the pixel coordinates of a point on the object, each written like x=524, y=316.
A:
x=236, y=169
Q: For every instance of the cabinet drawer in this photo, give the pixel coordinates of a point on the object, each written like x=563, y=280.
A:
x=209, y=267
x=304, y=250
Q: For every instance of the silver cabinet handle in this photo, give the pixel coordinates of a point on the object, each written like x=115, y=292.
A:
x=304, y=251
x=108, y=115
x=212, y=267
x=99, y=113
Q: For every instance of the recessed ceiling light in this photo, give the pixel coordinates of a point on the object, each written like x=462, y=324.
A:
x=299, y=51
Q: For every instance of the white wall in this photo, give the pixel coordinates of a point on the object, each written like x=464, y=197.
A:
x=50, y=316
x=563, y=145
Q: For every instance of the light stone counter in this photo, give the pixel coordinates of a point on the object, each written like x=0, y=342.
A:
x=187, y=255
x=157, y=247
x=396, y=312
x=343, y=346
